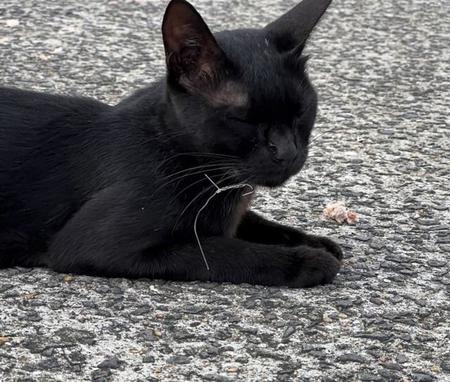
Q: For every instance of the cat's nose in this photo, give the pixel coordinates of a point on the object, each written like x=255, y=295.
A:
x=282, y=149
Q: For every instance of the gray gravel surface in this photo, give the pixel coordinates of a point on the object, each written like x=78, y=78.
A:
x=382, y=144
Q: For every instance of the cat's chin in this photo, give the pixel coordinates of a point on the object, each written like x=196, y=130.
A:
x=272, y=182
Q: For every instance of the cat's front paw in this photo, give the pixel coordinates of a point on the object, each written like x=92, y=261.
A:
x=327, y=244
x=314, y=267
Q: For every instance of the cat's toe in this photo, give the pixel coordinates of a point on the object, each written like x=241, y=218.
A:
x=327, y=244
x=315, y=267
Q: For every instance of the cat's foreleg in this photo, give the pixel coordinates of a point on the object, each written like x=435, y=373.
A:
x=255, y=228
x=111, y=236
x=229, y=260
x=237, y=261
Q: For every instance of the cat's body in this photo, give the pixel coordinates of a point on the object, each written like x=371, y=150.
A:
x=118, y=190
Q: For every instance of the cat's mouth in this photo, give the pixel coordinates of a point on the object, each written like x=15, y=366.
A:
x=272, y=178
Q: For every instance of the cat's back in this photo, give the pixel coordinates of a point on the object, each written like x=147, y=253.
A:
x=30, y=120
x=23, y=111
x=44, y=145
x=38, y=131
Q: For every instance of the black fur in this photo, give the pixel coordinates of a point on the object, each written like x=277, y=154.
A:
x=114, y=190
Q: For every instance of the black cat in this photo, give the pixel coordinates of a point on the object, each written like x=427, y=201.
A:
x=95, y=189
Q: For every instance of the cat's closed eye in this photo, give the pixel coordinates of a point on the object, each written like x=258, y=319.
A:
x=241, y=120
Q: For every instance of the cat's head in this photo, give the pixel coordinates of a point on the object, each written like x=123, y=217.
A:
x=243, y=93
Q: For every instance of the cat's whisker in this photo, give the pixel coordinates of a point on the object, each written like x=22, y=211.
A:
x=206, y=166
x=202, y=179
x=188, y=205
x=201, y=154
x=171, y=180
x=223, y=179
x=199, y=167
x=315, y=137
x=186, y=188
x=218, y=191
x=212, y=156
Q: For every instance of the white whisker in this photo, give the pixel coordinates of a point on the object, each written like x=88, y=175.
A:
x=218, y=191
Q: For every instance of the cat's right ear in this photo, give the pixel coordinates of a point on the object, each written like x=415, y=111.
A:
x=293, y=28
x=193, y=57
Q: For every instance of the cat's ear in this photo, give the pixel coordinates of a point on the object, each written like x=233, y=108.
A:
x=193, y=56
x=293, y=28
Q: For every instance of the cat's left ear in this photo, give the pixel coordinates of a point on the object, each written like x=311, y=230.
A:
x=293, y=28
x=193, y=57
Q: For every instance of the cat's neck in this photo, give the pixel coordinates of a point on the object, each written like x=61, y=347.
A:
x=149, y=99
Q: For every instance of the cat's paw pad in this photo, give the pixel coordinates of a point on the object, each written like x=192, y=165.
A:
x=314, y=267
x=327, y=244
